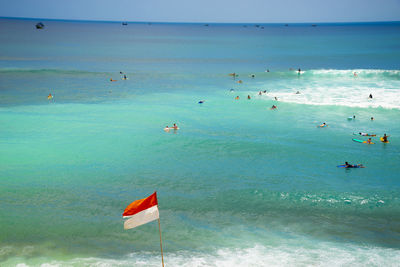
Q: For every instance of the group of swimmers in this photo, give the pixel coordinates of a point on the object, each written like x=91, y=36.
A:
x=175, y=127
x=123, y=77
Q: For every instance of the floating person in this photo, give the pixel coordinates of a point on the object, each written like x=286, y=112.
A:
x=354, y=116
x=125, y=78
x=274, y=107
x=175, y=127
x=384, y=138
x=248, y=97
x=111, y=80
x=166, y=128
x=372, y=118
x=49, y=97
x=299, y=71
x=201, y=101
x=121, y=72
x=252, y=75
x=237, y=98
x=323, y=125
x=240, y=81
x=366, y=134
x=348, y=165
x=370, y=96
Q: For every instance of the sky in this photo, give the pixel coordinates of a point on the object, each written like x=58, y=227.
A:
x=222, y=11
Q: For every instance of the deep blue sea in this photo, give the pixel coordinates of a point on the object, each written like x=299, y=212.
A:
x=238, y=184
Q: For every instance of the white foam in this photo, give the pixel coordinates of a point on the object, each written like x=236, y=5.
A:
x=341, y=88
x=308, y=254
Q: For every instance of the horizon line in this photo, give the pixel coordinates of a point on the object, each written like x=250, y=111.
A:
x=205, y=22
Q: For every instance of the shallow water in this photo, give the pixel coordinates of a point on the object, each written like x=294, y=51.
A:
x=238, y=183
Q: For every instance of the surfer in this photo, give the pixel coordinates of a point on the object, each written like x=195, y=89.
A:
x=384, y=138
x=175, y=127
x=369, y=141
x=347, y=165
x=299, y=71
x=201, y=101
x=276, y=98
x=248, y=97
x=273, y=107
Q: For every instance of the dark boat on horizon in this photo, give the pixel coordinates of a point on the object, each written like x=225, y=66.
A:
x=39, y=25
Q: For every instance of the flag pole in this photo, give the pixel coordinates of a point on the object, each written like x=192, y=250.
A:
x=159, y=228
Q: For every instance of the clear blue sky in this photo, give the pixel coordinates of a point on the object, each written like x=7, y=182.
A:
x=206, y=10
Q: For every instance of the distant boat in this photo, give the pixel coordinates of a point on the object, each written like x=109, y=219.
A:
x=314, y=25
x=124, y=23
x=39, y=25
x=286, y=25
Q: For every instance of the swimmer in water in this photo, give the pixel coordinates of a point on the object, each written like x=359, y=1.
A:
x=201, y=101
x=248, y=97
x=355, y=74
x=276, y=98
x=323, y=125
x=297, y=93
x=166, y=128
x=273, y=107
x=49, y=97
x=369, y=141
x=237, y=97
x=372, y=118
x=370, y=96
x=175, y=127
x=111, y=80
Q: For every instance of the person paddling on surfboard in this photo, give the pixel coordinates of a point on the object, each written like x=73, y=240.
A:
x=384, y=138
x=369, y=141
x=347, y=165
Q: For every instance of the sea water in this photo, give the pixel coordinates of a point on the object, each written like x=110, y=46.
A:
x=238, y=184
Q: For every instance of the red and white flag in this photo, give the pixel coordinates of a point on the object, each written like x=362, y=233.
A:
x=141, y=211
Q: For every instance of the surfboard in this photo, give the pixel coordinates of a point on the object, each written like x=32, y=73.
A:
x=361, y=141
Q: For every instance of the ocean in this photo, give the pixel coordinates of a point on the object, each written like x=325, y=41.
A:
x=238, y=184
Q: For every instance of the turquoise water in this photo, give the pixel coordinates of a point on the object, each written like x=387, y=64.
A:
x=238, y=183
